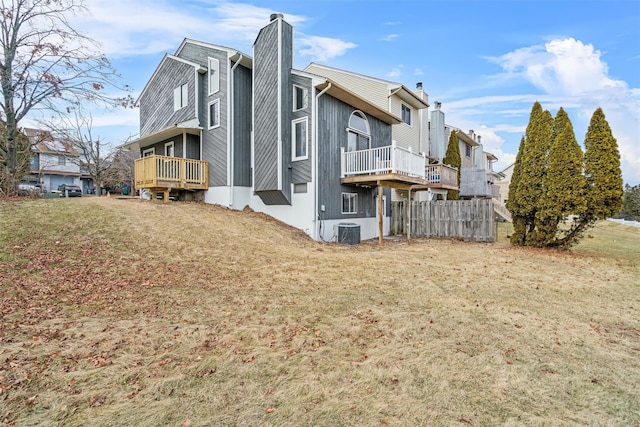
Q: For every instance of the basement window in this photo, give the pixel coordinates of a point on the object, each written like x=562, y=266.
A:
x=349, y=203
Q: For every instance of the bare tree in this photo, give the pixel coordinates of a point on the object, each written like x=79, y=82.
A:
x=94, y=153
x=46, y=64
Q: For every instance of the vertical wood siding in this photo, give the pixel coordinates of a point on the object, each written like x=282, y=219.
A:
x=273, y=59
x=333, y=119
x=156, y=105
x=301, y=169
x=242, y=126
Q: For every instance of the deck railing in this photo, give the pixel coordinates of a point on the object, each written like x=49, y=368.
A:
x=171, y=172
x=382, y=160
x=441, y=174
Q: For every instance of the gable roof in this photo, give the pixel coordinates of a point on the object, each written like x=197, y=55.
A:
x=394, y=88
x=43, y=142
x=232, y=54
x=342, y=93
x=165, y=58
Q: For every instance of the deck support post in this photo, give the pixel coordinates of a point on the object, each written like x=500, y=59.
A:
x=380, y=212
x=408, y=213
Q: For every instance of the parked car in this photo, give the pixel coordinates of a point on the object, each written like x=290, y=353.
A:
x=68, y=190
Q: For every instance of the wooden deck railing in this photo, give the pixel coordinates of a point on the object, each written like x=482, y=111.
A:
x=441, y=175
x=382, y=160
x=171, y=172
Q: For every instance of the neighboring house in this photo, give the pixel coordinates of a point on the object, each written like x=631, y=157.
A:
x=477, y=178
x=505, y=182
x=54, y=162
x=230, y=129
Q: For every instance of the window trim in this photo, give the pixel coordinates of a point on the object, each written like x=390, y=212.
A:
x=151, y=151
x=217, y=69
x=173, y=149
x=467, y=149
x=62, y=160
x=404, y=107
x=353, y=204
x=305, y=98
x=304, y=120
x=215, y=101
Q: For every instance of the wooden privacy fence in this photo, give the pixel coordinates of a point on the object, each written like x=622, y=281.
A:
x=471, y=220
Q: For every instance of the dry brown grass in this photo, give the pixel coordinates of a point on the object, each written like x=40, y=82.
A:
x=122, y=312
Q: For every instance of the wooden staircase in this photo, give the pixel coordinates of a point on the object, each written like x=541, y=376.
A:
x=501, y=210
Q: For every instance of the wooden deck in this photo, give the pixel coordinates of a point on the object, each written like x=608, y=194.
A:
x=161, y=174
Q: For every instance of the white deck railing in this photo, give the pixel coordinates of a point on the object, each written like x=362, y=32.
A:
x=381, y=160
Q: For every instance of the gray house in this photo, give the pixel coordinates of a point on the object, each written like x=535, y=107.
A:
x=220, y=126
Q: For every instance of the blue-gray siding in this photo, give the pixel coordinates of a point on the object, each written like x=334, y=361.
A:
x=273, y=58
x=333, y=119
x=301, y=169
x=156, y=104
x=242, y=127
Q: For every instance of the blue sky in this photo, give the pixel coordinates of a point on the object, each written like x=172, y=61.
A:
x=486, y=61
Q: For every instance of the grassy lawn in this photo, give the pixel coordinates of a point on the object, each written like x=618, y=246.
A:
x=122, y=312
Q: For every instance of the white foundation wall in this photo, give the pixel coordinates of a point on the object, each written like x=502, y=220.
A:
x=217, y=196
x=299, y=214
x=368, y=228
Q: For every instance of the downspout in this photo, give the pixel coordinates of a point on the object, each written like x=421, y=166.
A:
x=314, y=164
x=230, y=119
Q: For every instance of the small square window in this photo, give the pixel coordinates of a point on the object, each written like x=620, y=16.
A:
x=300, y=98
x=300, y=188
x=406, y=114
x=214, y=114
x=349, y=203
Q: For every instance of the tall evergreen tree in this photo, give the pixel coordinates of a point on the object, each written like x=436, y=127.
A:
x=602, y=168
x=452, y=158
x=563, y=186
x=603, y=176
x=532, y=170
x=519, y=224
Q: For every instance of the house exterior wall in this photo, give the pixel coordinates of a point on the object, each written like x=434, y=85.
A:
x=406, y=136
x=333, y=119
x=156, y=103
x=242, y=126
x=214, y=140
x=301, y=169
x=273, y=59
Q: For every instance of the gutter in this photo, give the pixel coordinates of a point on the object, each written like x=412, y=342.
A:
x=314, y=164
x=230, y=120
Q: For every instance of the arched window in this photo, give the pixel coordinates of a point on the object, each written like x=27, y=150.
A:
x=359, y=137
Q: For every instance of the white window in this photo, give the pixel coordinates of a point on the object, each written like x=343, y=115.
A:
x=214, y=114
x=214, y=76
x=358, y=132
x=149, y=152
x=169, y=149
x=349, y=203
x=180, y=97
x=406, y=114
x=299, y=139
x=62, y=160
x=300, y=98
x=467, y=150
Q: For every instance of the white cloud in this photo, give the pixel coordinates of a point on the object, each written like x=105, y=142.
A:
x=395, y=72
x=390, y=37
x=323, y=48
x=568, y=73
x=418, y=72
x=127, y=28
